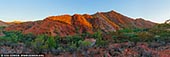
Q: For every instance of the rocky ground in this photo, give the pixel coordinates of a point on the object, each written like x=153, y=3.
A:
x=126, y=49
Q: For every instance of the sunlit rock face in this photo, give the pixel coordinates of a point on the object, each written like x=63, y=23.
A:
x=65, y=25
x=81, y=24
x=63, y=18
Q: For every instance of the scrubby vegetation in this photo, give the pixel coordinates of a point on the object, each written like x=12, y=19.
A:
x=159, y=33
x=75, y=43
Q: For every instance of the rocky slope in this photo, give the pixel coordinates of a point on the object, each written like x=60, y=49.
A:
x=64, y=25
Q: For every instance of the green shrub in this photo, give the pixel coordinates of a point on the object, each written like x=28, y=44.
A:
x=164, y=36
x=145, y=36
x=15, y=36
x=84, y=43
x=97, y=34
x=38, y=43
x=1, y=28
x=72, y=47
x=50, y=43
x=101, y=43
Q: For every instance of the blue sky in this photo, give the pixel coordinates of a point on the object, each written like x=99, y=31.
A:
x=30, y=10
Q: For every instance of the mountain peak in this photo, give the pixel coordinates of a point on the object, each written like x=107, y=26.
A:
x=113, y=11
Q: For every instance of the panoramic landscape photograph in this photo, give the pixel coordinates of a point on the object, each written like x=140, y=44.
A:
x=84, y=28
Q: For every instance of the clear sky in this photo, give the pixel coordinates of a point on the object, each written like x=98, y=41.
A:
x=24, y=10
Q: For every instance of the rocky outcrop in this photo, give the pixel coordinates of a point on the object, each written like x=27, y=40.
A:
x=64, y=25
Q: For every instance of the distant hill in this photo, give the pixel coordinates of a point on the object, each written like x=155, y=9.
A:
x=3, y=23
x=167, y=21
x=64, y=25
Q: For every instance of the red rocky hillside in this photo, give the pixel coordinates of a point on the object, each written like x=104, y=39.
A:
x=64, y=25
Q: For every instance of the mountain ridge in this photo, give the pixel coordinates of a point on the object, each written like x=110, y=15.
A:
x=64, y=25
